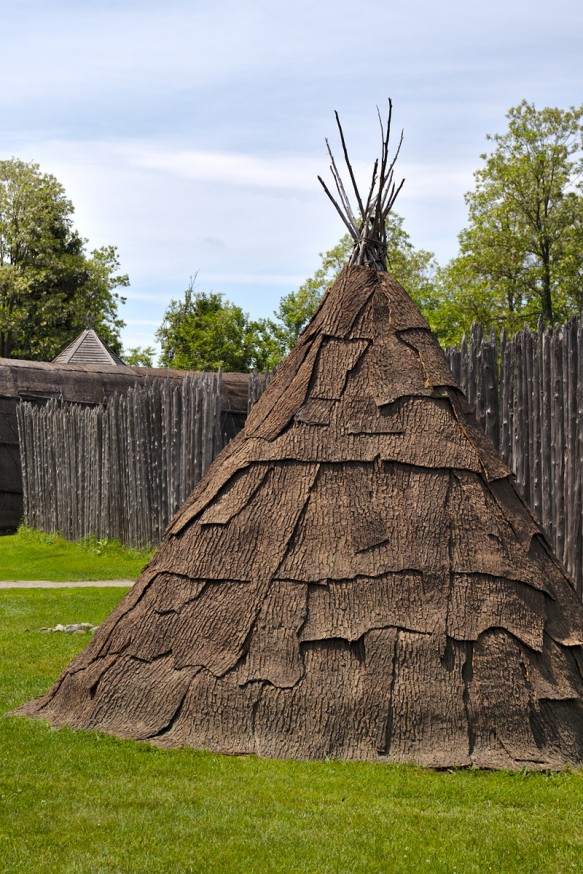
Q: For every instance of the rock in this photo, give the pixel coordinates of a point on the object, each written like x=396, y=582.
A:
x=78, y=627
x=72, y=628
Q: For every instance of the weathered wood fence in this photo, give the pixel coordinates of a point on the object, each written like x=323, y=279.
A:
x=528, y=397
x=121, y=470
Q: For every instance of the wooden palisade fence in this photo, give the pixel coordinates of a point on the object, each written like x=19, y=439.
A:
x=528, y=397
x=121, y=470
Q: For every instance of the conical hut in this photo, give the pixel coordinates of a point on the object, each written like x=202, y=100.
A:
x=355, y=577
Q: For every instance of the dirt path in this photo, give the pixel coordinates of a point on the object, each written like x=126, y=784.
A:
x=46, y=584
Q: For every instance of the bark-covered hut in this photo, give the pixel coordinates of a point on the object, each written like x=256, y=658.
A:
x=355, y=577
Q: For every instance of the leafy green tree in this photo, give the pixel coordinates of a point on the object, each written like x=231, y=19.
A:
x=460, y=301
x=204, y=331
x=297, y=308
x=414, y=268
x=139, y=356
x=521, y=256
x=48, y=282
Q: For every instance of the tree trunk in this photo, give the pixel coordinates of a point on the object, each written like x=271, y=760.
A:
x=546, y=297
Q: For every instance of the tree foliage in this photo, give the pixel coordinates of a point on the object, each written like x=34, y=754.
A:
x=521, y=255
x=48, y=282
x=204, y=331
x=139, y=356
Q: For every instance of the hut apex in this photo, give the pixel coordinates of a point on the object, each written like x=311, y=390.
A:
x=356, y=575
x=367, y=224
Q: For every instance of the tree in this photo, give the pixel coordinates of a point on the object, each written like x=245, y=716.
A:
x=414, y=268
x=48, y=282
x=462, y=300
x=204, y=331
x=139, y=356
x=297, y=308
x=522, y=252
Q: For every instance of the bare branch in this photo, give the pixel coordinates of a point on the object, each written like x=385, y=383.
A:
x=369, y=231
x=394, y=196
x=348, y=164
x=394, y=161
x=341, y=190
x=340, y=213
x=369, y=199
x=381, y=125
x=385, y=150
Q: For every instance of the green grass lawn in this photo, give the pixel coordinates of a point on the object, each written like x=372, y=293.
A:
x=33, y=555
x=85, y=802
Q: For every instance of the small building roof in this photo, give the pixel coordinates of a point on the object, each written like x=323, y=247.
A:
x=88, y=348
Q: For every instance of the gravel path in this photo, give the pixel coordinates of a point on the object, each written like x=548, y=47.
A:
x=47, y=584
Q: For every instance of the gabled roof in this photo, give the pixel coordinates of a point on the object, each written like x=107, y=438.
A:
x=88, y=348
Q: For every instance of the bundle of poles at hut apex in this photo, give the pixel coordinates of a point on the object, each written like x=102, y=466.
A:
x=368, y=229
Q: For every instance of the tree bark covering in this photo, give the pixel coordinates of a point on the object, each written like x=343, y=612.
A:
x=355, y=577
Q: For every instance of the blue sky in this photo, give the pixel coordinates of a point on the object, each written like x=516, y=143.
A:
x=189, y=134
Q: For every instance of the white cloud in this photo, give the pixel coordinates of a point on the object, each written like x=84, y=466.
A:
x=190, y=134
x=229, y=168
x=255, y=278
x=238, y=218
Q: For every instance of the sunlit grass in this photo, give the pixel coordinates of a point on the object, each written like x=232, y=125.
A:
x=85, y=802
x=34, y=555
